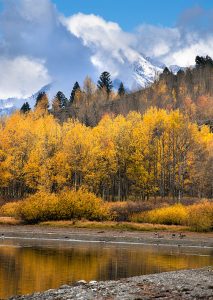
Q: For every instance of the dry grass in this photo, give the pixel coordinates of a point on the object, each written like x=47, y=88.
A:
x=9, y=221
x=114, y=225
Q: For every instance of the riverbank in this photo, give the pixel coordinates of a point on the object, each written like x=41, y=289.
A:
x=71, y=234
x=187, y=284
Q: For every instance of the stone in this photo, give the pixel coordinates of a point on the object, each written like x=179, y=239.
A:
x=93, y=282
x=80, y=282
x=64, y=287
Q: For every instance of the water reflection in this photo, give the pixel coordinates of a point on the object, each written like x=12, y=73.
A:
x=27, y=266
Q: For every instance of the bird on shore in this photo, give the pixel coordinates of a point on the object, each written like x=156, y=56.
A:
x=2, y=236
x=156, y=234
x=181, y=235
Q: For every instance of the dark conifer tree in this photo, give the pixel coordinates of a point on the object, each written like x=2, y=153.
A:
x=42, y=101
x=40, y=98
x=166, y=71
x=121, y=90
x=25, y=108
x=76, y=87
x=203, y=61
x=62, y=100
x=105, y=82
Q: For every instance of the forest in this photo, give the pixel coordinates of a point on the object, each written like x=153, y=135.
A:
x=106, y=155
x=160, y=153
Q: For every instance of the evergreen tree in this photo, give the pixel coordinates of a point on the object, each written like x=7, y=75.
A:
x=62, y=100
x=166, y=71
x=105, y=82
x=42, y=102
x=203, y=61
x=76, y=88
x=42, y=98
x=121, y=90
x=25, y=108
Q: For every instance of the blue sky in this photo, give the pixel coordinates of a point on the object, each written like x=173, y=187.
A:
x=130, y=13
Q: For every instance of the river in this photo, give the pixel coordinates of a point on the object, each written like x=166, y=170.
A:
x=27, y=266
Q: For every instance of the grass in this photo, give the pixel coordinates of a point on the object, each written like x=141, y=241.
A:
x=126, y=226
x=10, y=221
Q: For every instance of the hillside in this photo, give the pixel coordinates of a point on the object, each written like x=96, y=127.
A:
x=190, y=90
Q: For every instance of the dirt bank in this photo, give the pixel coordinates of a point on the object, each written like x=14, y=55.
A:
x=107, y=236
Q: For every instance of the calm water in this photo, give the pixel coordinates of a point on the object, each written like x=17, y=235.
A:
x=29, y=266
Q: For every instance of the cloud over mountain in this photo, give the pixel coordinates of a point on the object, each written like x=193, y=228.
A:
x=192, y=35
x=38, y=45
x=21, y=76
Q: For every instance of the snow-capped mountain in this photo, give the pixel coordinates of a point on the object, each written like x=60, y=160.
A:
x=144, y=71
x=8, y=106
x=174, y=69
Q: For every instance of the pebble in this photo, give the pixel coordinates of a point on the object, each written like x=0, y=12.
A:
x=93, y=282
x=81, y=282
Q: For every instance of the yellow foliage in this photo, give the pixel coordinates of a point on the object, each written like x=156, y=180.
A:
x=10, y=209
x=39, y=207
x=81, y=204
x=200, y=216
x=159, y=153
x=67, y=205
x=171, y=215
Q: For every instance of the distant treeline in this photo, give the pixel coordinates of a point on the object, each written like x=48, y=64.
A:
x=190, y=90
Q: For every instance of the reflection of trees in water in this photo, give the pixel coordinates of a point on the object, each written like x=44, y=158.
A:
x=138, y=261
x=36, y=269
x=25, y=270
x=10, y=270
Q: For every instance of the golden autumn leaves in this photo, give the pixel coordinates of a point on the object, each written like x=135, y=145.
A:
x=159, y=153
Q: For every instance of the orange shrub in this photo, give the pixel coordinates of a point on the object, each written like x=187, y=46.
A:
x=64, y=206
x=81, y=204
x=10, y=209
x=200, y=216
x=172, y=215
x=41, y=206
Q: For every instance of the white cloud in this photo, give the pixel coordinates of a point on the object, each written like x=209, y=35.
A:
x=22, y=77
x=111, y=46
x=113, y=49
x=185, y=55
x=31, y=34
x=174, y=46
x=156, y=41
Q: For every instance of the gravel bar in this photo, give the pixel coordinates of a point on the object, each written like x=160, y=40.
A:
x=186, y=284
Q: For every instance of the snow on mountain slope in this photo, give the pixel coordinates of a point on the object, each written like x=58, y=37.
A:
x=143, y=72
x=10, y=105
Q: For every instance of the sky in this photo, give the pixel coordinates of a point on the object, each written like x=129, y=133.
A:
x=131, y=13
x=63, y=41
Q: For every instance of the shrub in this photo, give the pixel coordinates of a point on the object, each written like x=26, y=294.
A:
x=64, y=206
x=82, y=204
x=172, y=215
x=200, y=216
x=122, y=211
x=10, y=209
x=41, y=206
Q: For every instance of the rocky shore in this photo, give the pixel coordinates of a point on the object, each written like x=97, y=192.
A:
x=187, y=284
